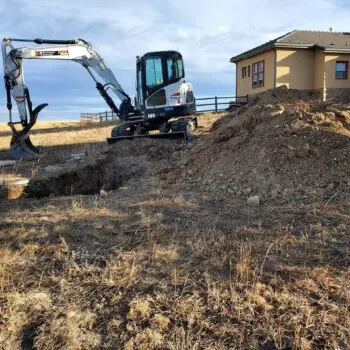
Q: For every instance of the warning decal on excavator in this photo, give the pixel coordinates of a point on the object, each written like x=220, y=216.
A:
x=51, y=53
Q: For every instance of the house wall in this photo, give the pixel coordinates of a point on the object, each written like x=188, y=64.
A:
x=336, y=90
x=295, y=68
x=319, y=70
x=330, y=67
x=300, y=69
x=245, y=85
x=319, y=73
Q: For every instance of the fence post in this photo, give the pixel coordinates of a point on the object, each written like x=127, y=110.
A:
x=216, y=104
x=101, y=118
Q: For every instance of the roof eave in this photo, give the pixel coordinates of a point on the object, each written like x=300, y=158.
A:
x=294, y=46
x=331, y=50
x=253, y=52
x=248, y=54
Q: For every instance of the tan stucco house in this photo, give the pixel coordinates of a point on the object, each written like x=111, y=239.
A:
x=302, y=60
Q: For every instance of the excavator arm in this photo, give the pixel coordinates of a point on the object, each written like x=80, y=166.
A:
x=78, y=51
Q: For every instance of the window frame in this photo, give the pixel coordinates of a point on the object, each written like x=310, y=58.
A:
x=258, y=72
x=244, y=72
x=346, y=70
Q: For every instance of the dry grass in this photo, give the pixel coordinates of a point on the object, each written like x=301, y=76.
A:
x=162, y=267
x=94, y=273
x=55, y=133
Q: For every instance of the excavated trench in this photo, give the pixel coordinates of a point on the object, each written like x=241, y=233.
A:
x=89, y=179
x=108, y=171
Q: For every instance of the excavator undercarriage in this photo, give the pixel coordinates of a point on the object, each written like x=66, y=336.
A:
x=180, y=128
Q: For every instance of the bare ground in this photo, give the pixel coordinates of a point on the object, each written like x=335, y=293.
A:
x=155, y=259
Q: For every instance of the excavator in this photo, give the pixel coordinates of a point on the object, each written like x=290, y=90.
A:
x=164, y=99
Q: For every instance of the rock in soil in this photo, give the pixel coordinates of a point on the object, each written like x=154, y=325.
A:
x=254, y=201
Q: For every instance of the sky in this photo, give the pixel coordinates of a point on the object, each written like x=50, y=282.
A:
x=207, y=33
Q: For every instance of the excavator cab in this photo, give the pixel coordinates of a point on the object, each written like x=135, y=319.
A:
x=164, y=100
x=162, y=91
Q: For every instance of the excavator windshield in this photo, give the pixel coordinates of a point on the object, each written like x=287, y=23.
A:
x=154, y=72
x=163, y=67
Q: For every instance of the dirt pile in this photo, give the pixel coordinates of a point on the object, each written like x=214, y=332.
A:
x=278, y=146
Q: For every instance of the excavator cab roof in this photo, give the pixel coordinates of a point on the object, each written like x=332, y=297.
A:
x=161, y=54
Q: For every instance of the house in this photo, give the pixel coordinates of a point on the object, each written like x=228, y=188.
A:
x=303, y=60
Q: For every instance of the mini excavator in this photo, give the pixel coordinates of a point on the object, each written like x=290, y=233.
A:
x=164, y=100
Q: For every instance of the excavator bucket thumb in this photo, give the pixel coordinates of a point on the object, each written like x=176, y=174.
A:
x=36, y=112
x=33, y=117
x=21, y=147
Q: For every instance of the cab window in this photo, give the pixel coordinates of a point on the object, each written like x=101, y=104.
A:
x=175, y=68
x=154, y=72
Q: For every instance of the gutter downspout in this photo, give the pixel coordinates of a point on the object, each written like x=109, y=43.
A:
x=275, y=70
x=236, y=80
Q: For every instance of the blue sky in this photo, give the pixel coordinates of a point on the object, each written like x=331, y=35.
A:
x=207, y=33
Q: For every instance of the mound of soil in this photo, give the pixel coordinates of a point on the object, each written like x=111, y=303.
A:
x=279, y=145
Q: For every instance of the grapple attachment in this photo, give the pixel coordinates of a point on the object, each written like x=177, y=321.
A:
x=21, y=146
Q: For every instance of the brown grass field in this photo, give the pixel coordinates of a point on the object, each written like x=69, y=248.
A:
x=158, y=264
x=57, y=133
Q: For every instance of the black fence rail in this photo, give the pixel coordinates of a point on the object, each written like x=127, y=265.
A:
x=211, y=104
x=220, y=104
x=98, y=117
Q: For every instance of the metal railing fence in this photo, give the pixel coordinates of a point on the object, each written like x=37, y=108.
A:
x=211, y=104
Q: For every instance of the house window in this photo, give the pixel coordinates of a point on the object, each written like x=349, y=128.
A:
x=341, y=71
x=244, y=72
x=258, y=74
